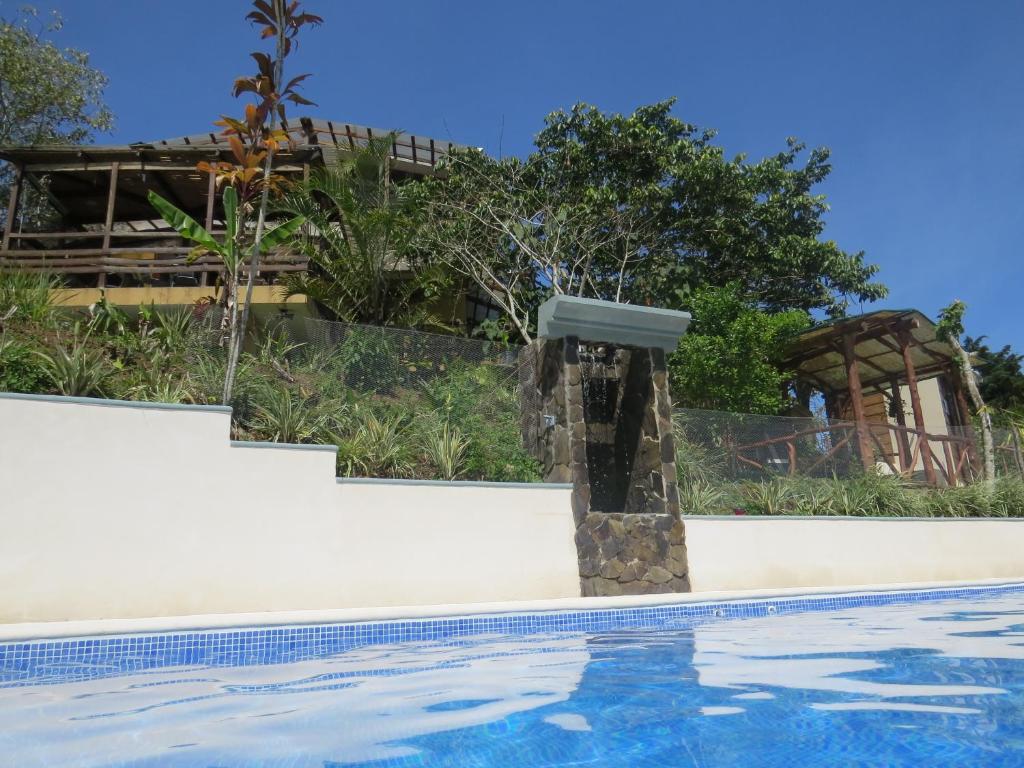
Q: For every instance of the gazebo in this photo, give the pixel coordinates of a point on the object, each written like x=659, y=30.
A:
x=871, y=359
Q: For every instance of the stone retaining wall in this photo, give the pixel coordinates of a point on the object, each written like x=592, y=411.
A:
x=631, y=554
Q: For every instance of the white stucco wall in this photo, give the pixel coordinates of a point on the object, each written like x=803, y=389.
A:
x=125, y=511
x=763, y=553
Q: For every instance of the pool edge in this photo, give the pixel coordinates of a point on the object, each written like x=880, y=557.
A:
x=43, y=631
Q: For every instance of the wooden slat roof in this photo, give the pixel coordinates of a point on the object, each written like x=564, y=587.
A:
x=816, y=355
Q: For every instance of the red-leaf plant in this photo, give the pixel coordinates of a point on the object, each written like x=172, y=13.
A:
x=256, y=137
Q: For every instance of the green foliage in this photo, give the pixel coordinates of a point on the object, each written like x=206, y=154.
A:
x=362, y=243
x=285, y=416
x=446, y=449
x=376, y=447
x=478, y=403
x=77, y=370
x=638, y=208
x=1001, y=379
x=860, y=496
x=729, y=359
x=26, y=296
x=700, y=218
x=48, y=95
x=369, y=361
x=21, y=370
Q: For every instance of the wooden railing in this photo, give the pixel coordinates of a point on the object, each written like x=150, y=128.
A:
x=954, y=456
x=146, y=262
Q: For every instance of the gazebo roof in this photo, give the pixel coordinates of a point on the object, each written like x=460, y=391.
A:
x=816, y=356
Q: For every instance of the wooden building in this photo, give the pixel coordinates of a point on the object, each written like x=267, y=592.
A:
x=893, y=391
x=104, y=235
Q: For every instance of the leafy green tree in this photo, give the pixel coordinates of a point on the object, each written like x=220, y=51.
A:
x=640, y=209
x=361, y=239
x=696, y=217
x=48, y=95
x=1001, y=378
x=729, y=361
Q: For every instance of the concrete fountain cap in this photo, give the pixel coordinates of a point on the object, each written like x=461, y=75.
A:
x=626, y=324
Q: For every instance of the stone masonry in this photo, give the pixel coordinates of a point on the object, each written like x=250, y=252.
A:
x=600, y=417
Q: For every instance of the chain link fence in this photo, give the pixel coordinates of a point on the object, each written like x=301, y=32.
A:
x=713, y=445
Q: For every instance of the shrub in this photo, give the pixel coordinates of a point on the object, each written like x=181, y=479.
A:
x=26, y=296
x=479, y=401
x=20, y=369
x=376, y=447
x=446, y=447
x=283, y=416
x=78, y=370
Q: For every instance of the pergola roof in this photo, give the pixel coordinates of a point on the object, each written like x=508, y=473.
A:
x=78, y=176
x=817, y=355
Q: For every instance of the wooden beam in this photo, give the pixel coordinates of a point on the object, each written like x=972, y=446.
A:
x=12, y=205
x=915, y=403
x=902, y=438
x=168, y=191
x=52, y=198
x=101, y=280
x=857, y=400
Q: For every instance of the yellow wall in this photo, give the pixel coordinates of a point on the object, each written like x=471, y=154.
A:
x=162, y=295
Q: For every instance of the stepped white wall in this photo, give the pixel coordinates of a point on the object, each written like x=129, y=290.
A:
x=125, y=511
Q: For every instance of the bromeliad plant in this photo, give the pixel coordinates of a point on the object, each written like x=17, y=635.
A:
x=249, y=180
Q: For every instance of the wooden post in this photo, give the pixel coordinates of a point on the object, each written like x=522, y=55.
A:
x=12, y=205
x=101, y=280
x=964, y=417
x=211, y=201
x=1017, y=455
x=857, y=400
x=902, y=440
x=915, y=404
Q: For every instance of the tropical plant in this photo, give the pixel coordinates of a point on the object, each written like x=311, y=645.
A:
x=20, y=369
x=445, y=447
x=234, y=256
x=375, y=447
x=107, y=318
x=772, y=497
x=253, y=141
x=284, y=416
x=76, y=370
x=27, y=296
x=361, y=240
x=701, y=498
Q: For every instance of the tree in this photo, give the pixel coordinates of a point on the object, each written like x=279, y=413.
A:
x=48, y=95
x=641, y=209
x=517, y=243
x=707, y=220
x=254, y=139
x=949, y=329
x=729, y=359
x=1001, y=379
x=361, y=239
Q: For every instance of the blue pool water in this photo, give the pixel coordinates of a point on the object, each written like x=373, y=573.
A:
x=932, y=682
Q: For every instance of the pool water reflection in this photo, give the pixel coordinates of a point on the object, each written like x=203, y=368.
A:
x=928, y=683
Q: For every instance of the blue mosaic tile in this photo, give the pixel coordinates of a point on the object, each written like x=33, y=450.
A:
x=38, y=662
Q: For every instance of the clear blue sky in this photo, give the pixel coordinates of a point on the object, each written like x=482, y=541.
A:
x=922, y=103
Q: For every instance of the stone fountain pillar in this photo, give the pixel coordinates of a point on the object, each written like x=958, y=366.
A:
x=597, y=412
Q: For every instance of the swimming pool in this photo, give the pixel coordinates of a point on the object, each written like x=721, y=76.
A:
x=932, y=677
